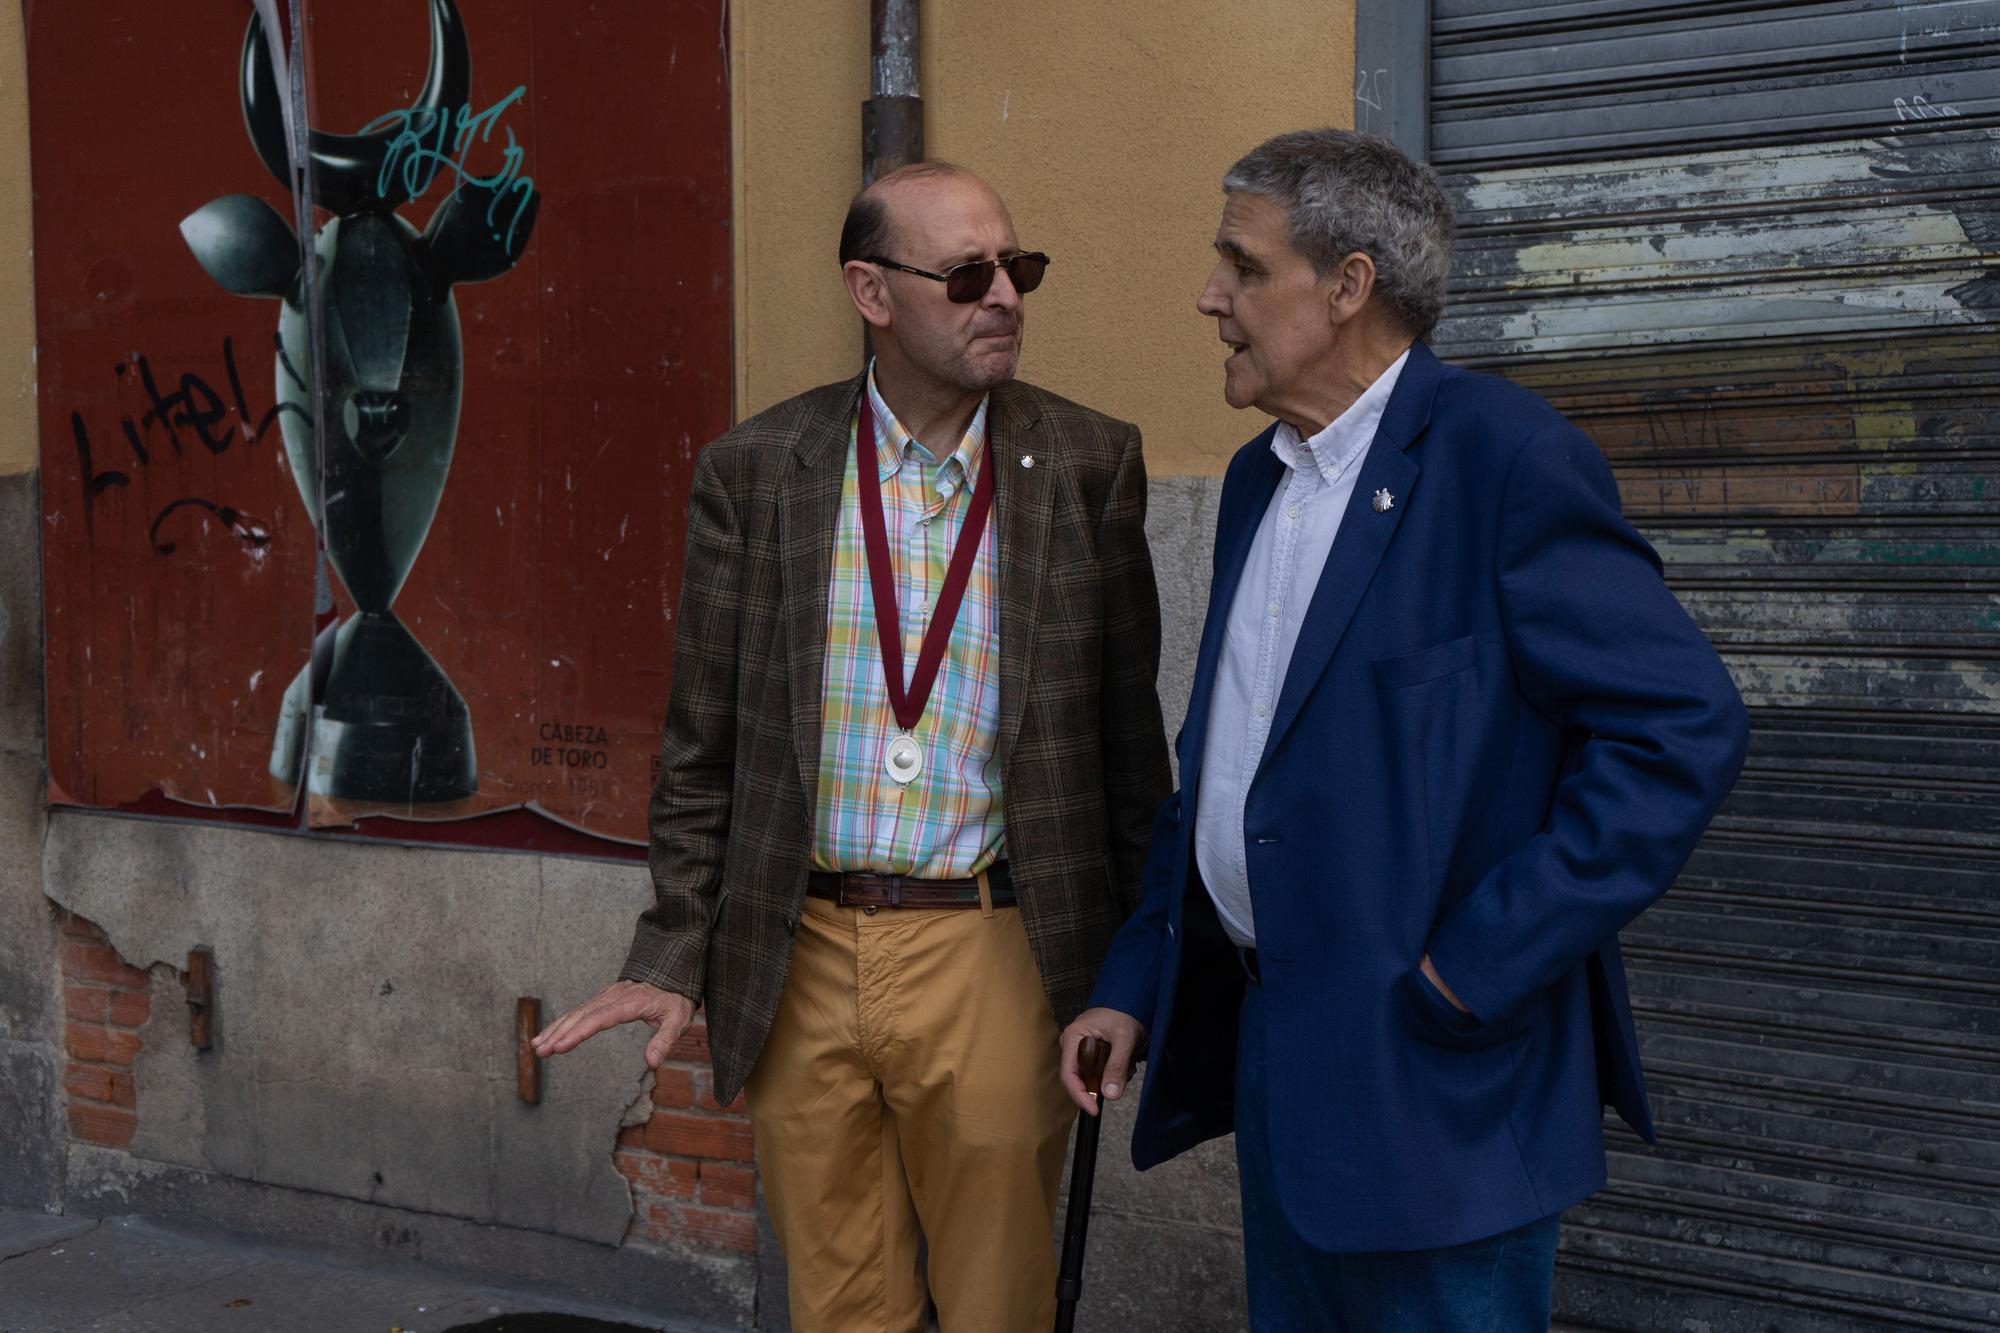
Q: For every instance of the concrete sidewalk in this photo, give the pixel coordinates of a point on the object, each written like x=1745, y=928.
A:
x=129, y=1275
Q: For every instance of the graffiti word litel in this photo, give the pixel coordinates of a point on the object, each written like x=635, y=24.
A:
x=195, y=407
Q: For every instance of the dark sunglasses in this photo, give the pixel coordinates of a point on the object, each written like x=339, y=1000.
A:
x=966, y=283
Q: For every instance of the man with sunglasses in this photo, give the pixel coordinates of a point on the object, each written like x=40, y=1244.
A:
x=913, y=748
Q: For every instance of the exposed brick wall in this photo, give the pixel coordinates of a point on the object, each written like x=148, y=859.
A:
x=105, y=1001
x=690, y=1163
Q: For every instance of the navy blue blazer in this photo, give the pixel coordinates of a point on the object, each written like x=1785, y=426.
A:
x=1498, y=741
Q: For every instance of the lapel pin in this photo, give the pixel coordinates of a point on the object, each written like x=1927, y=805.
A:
x=1027, y=460
x=1384, y=501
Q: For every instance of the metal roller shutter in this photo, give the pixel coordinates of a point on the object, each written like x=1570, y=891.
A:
x=1754, y=250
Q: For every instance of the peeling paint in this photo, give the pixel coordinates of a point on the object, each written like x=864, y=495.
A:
x=1755, y=254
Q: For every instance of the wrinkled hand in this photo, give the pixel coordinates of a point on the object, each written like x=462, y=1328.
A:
x=667, y=1013
x=1121, y=1032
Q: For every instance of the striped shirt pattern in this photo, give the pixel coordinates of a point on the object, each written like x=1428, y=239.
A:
x=947, y=824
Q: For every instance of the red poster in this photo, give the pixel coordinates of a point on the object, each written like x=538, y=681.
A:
x=383, y=523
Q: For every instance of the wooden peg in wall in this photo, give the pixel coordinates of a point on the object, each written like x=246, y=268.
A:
x=201, y=998
x=527, y=1065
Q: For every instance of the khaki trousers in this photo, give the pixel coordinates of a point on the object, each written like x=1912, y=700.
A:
x=909, y=1081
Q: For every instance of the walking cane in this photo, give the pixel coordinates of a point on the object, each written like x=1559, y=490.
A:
x=1090, y=1057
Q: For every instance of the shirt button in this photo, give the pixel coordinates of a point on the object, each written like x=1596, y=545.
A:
x=1274, y=610
x=924, y=607
x=1261, y=710
x=1293, y=512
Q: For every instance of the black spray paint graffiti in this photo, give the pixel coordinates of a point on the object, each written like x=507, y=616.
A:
x=194, y=407
x=368, y=328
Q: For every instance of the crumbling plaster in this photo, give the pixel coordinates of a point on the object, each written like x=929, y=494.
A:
x=364, y=1014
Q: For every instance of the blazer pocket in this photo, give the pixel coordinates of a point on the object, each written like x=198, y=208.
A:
x=1440, y=1023
x=1442, y=659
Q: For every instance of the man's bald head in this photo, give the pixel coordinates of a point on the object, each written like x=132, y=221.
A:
x=904, y=235
x=870, y=228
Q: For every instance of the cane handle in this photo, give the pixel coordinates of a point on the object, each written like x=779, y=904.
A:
x=1091, y=1053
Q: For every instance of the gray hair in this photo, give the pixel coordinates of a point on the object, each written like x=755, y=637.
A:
x=1347, y=191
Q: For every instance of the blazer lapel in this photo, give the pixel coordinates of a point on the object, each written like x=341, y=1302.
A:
x=1363, y=538
x=808, y=513
x=1023, y=501
x=1237, y=532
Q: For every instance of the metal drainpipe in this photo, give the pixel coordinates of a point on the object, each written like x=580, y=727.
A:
x=892, y=121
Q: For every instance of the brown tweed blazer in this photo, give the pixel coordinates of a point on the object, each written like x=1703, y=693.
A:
x=1083, y=758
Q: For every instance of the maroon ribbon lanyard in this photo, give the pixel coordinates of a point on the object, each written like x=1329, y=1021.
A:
x=908, y=705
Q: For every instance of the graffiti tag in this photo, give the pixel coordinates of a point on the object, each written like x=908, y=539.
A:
x=1922, y=108
x=1370, y=87
x=196, y=408
x=430, y=141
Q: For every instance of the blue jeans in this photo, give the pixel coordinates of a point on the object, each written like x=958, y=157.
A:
x=1496, y=1285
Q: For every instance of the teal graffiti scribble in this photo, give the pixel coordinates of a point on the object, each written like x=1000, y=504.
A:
x=429, y=141
x=1934, y=553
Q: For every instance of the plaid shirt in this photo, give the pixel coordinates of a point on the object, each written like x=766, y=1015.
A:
x=947, y=824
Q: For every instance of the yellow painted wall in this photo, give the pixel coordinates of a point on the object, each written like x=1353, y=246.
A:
x=798, y=77
x=18, y=448
x=1106, y=127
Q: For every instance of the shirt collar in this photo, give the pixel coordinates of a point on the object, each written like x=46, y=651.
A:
x=1346, y=437
x=893, y=443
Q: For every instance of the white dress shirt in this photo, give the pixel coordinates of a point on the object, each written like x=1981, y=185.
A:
x=1270, y=605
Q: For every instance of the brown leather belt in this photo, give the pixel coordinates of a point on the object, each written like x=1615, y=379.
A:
x=870, y=892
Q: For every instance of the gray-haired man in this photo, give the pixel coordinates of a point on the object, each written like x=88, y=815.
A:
x=1449, y=732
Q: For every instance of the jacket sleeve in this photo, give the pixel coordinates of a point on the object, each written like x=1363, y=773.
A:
x=687, y=819
x=1136, y=776
x=1600, y=645
x=1129, y=981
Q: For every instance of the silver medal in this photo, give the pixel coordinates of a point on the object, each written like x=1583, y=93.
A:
x=903, y=759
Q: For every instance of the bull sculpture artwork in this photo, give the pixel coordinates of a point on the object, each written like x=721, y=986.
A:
x=386, y=723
